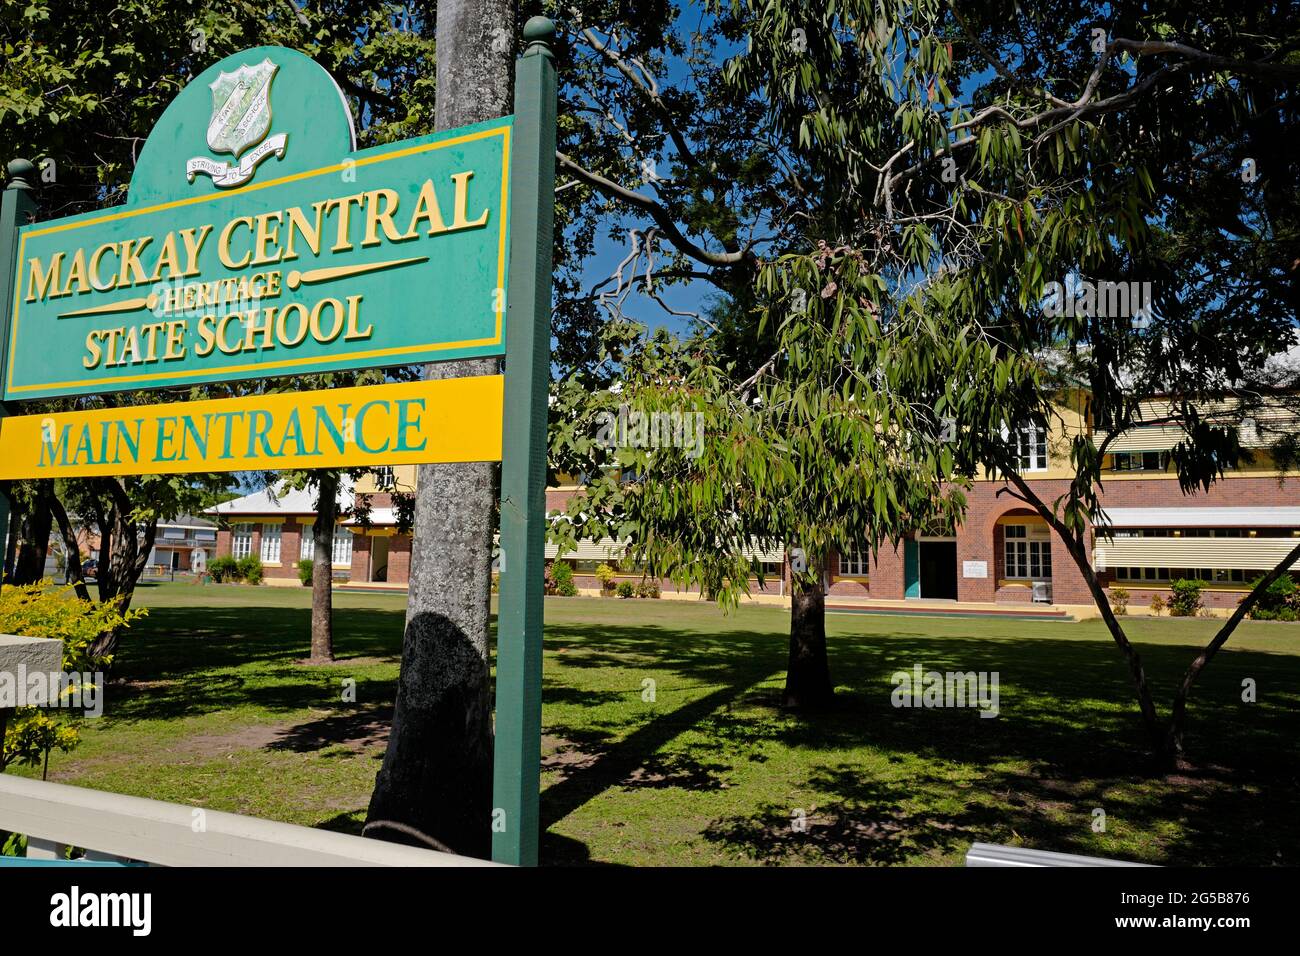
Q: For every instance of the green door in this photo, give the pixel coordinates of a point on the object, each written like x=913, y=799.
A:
x=911, y=569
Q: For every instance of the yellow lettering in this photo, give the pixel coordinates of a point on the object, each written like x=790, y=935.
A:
x=267, y=236
x=175, y=341
x=94, y=268
x=426, y=209
x=193, y=245
x=169, y=257
x=354, y=310
x=77, y=273
x=298, y=225
x=460, y=221
x=375, y=217
x=344, y=207
x=40, y=284
x=92, y=346
x=131, y=261
x=223, y=243
x=207, y=336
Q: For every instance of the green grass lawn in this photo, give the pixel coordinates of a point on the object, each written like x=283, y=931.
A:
x=209, y=706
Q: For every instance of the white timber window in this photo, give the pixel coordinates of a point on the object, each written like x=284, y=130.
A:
x=1028, y=552
x=241, y=541
x=270, y=544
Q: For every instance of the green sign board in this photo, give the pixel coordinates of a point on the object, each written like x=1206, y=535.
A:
x=258, y=242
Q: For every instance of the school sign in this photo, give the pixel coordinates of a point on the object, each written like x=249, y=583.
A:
x=308, y=260
x=258, y=243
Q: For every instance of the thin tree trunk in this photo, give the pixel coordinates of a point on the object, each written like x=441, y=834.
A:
x=1173, y=750
x=69, y=534
x=437, y=772
x=322, y=569
x=1079, y=554
x=808, y=672
x=11, y=539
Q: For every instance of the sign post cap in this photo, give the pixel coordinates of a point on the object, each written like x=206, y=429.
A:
x=22, y=172
x=540, y=34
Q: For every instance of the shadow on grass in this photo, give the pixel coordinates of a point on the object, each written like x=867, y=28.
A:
x=1067, y=715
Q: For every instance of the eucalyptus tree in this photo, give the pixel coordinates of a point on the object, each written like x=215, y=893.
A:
x=954, y=159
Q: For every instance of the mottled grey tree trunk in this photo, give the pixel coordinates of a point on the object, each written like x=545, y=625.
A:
x=808, y=673
x=322, y=568
x=437, y=773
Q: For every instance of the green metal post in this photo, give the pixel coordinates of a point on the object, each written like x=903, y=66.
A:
x=517, y=751
x=17, y=208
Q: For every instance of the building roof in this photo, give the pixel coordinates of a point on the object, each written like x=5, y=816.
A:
x=280, y=500
x=187, y=521
x=1272, y=517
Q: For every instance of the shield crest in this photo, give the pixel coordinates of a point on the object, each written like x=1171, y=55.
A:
x=241, y=108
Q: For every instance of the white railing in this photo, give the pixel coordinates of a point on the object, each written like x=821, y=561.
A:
x=990, y=854
x=113, y=826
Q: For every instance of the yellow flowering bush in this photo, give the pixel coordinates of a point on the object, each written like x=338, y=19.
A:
x=41, y=610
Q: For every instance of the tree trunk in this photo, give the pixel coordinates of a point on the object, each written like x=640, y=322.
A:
x=808, y=672
x=130, y=554
x=11, y=539
x=437, y=771
x=34, y=543
x=69, y=533
x=1078, y=551
x=322, y=569
x=1173, y=744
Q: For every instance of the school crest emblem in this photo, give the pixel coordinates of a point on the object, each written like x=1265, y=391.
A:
x=241, y=119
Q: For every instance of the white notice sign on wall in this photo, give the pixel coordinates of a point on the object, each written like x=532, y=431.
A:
x=975, y=569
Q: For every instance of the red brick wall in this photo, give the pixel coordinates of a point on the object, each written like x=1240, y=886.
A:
x=981, y=539
x=399, y=559
x=360, y=559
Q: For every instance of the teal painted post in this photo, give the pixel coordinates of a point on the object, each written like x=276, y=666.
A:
x=516, y=773
x=17, y=208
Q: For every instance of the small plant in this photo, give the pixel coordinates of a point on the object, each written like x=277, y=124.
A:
x=224, y=569
x=561, y=577
x=606, y=575
x=496, y=583
x=626, y=589
x=250, y=569
x=1119, y=598
x=1157, y=605
x=647, y=589
x=304, y=571
x=1186, y=601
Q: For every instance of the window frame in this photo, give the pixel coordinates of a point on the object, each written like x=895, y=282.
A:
x=272, y=540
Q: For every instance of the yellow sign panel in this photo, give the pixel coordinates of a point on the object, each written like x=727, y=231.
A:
x=450, y=420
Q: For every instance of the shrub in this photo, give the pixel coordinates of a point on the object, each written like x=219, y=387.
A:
x=647, y=589
x=496, y=583
x=40, y=610
x=1277, y=599
x=1157, y=605
x=562, y=574
x=305, y=570
x=1119, y=601
x=250, y=569
x=606, y=575
x=224, y=569
x=626, y=589
x=1186, y=600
